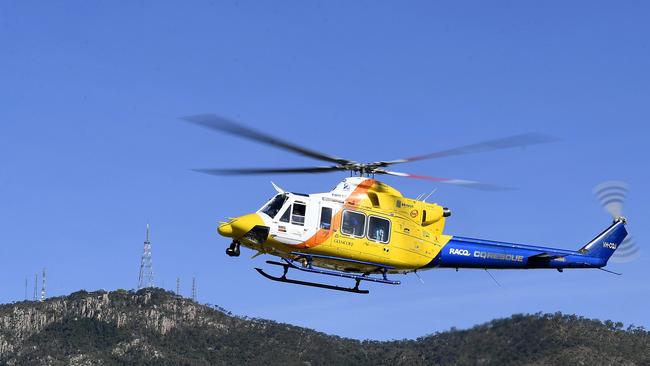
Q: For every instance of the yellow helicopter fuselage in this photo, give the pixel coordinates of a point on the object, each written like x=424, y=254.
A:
x=361, y=219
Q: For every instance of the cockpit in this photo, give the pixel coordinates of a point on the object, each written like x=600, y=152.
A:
x=287, y=207
x=272, y=208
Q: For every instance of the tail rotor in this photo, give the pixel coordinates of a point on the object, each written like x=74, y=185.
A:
x=611, y=195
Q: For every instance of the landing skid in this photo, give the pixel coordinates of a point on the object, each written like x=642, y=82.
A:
x=290, y=264
x=284, y=279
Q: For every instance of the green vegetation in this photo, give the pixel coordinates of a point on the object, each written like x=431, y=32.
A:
x=155, y=327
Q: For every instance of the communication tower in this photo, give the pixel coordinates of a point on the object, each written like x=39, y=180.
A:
x=35, y=286
x=146, y=267
x=43, y=293
x=194, y=288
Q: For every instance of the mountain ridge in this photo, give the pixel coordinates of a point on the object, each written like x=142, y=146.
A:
x=156, y=327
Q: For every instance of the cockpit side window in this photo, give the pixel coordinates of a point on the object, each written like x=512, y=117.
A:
x=285, y=215
x=272, y=208
x=298, y=213
x=325, y=218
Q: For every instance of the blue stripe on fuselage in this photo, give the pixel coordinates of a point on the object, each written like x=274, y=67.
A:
x=462, y=252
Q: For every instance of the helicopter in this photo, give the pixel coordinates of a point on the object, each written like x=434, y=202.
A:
x=365, y=230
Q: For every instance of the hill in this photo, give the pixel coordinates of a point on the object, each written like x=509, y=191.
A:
x=155, y=327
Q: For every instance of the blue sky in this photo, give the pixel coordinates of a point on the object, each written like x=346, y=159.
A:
x=91, y=147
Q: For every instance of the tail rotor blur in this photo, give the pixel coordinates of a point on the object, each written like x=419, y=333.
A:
x=611, y=195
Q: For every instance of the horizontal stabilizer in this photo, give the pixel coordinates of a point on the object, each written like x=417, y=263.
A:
x=547, y=256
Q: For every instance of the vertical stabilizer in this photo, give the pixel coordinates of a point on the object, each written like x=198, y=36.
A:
x=604, y=245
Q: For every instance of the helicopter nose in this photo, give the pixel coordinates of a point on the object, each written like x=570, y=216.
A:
x=240, y=225
x=225, y=229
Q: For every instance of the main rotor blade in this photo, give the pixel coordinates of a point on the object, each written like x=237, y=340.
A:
x=254, y=171
x=458, y=182
x=225, y=125
x=526, y=139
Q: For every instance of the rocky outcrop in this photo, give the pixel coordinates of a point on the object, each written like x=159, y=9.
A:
x=150, y=311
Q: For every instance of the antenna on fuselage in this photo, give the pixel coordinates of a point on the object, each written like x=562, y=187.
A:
x=608, y=271
x=419, y=278
x=429, y=195
x=278, y=189
x=495, y=280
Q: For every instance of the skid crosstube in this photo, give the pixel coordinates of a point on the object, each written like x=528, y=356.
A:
x=309, y=257
x=365, y=277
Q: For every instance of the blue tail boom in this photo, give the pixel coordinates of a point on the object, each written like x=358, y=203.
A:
x=462, y=252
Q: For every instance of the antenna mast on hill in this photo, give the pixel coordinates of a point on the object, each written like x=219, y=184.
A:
x=146, y=267
x=43, y=294
x=178, y=286
x=35, y=286
x=194, y=288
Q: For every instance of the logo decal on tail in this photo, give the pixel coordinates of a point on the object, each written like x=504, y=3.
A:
x=456, y=251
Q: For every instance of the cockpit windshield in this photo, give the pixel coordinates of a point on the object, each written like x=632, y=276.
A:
x=274, y=205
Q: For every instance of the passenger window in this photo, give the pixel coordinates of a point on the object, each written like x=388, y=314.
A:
x=354, y=224
x=325, y=218
x=298, y=214
x=285, y=215
x=378, y=229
